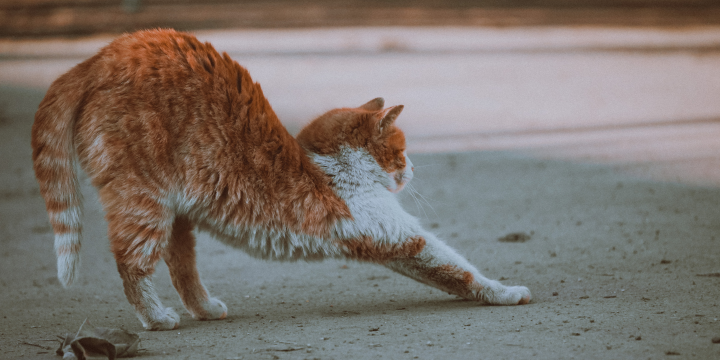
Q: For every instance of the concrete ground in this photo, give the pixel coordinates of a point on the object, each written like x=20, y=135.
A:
x=600, y=143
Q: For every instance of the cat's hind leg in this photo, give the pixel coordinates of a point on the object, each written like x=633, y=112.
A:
x=180, y=259
x=139, y=230
x=141, y=293
x=439, y=266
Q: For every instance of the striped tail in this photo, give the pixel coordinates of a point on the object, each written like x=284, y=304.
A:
x=54, y=161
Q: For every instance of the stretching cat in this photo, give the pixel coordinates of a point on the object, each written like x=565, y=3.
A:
x=175, y=135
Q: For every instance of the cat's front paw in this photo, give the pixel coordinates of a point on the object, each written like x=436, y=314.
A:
x=213, y=309
x=519, y=293
x=166, y=320
x=506, y=295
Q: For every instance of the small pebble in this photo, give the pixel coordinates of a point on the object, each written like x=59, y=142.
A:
x=515, y=237
x=716, y=340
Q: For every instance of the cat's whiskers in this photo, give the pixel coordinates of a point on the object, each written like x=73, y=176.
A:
x=420, y=199
x=412, y=192
x=422, y=166
x=426, y=200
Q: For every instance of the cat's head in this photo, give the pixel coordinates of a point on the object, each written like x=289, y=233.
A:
x=369, y=127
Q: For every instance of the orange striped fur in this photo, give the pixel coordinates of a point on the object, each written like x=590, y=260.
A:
x=175, y=135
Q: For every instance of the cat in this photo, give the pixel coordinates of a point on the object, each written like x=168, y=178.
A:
x=176, y=136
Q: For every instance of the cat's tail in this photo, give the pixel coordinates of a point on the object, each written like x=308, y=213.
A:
x=54, y=161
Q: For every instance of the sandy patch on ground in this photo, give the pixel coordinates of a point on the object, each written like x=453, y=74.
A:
x=613, y=263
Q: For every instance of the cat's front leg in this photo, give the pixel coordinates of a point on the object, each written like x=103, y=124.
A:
x=439, y=266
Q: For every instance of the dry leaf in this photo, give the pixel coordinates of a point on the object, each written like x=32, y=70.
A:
x=97, y=341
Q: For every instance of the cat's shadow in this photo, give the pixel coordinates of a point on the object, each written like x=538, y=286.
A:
x=371, y=310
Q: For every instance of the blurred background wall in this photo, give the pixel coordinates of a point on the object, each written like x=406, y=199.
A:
x=32, y=18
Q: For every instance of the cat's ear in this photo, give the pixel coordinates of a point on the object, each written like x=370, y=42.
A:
x=389, y=116
x=374, y=104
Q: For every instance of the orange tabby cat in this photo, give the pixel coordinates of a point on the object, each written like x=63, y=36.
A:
x=175, y=135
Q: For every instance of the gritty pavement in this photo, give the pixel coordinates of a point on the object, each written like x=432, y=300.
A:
x=600, y=144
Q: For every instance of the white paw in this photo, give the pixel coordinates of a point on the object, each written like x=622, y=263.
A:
x=506, y=295
x=213, y=309
x=166, y=320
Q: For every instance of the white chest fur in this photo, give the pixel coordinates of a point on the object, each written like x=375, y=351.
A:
x=363, y=185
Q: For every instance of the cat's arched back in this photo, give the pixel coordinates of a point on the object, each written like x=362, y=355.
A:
x=209, y=140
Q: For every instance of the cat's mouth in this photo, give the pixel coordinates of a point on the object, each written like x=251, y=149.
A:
x=398, y=188
x=400, y=179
